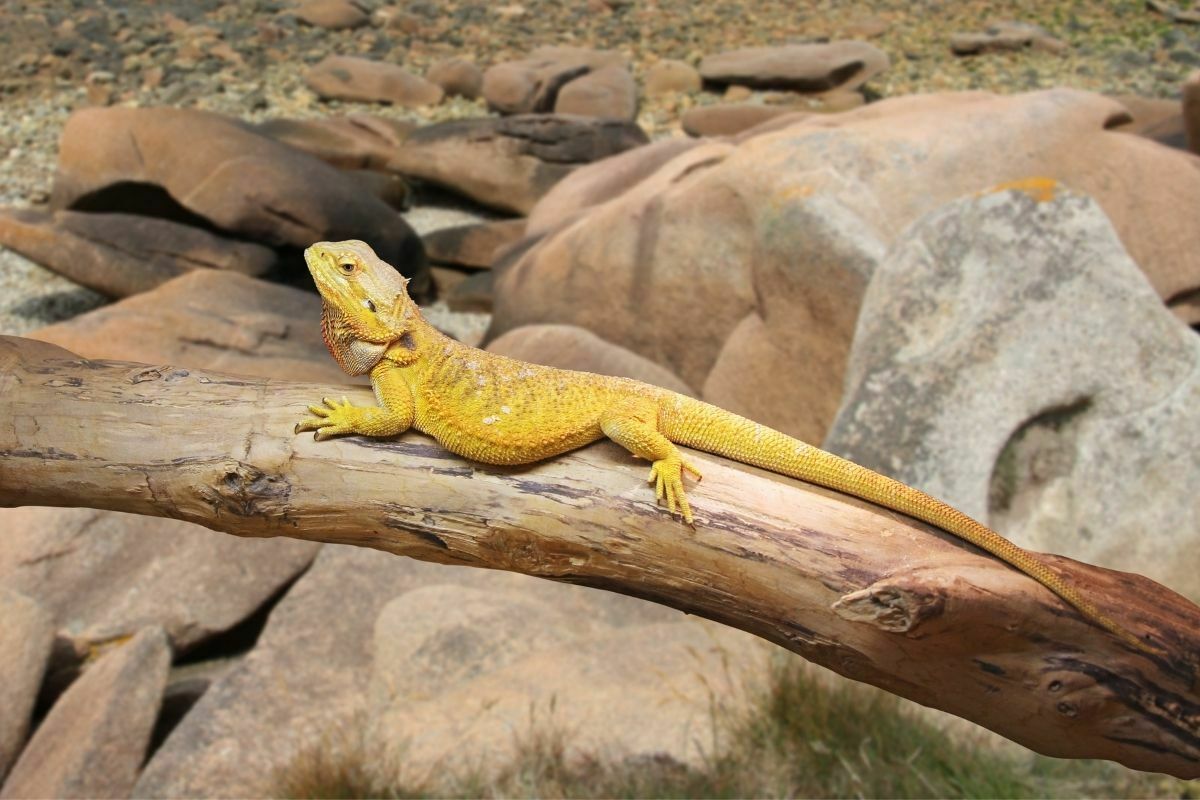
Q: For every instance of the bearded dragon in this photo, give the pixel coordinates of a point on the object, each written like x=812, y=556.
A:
x=497, y=410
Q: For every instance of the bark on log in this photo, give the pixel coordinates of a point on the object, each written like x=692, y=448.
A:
x=871, y=594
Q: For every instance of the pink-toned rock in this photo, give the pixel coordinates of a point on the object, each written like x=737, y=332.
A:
x=474, y=294
x=788, y=225
x=601, y=181
x=93, y=741
x=728, y=119
x=189, y=163
x=670, y=75
x=472, y=245
x=364, y=80
x=356, y=141
x=799, y=67
x=123, y=254
x=334, y=15
x=531, y=84
x=569, y=347
x=25, y=640
x=609, y=92
x=1005, y=37
x=457, y=77
x=1153, y=118
x=509, y=163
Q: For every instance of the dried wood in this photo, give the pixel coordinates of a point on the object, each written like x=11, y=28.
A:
x=869, y=593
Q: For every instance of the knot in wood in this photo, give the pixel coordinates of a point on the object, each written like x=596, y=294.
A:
x=890, y=607
x=247, y=491
x=521, y=550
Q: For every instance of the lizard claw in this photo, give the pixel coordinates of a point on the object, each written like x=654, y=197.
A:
x=329, y=420
x=667, y=476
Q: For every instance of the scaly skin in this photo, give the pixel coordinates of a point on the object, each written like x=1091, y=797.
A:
x=496, y=410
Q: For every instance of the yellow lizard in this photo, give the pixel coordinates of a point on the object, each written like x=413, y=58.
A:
x=497, y=410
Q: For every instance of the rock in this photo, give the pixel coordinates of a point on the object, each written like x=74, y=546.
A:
x=473, y=294
x=123, y=254
x=310, y=672
x=569, y=347
x=727, y=119
x=76, y=563
x=94, y=739
x=356, y=141
x=25, y=639
x=186, y=163
x=727, y=230
x=364, y=80
x=447, y=279
x=609, y=93
x=670, y=75
x=457, y=77
x=601, y=181
x=334, y=15
x=531, y=85
x=391, y=189
x=590, y=694
x=1160, y=120
x=472, y=245
x=508, y=163
x=1013, y=360
x=799, y=67
x=1191, y=111
x=209, y=320
x=1007, y=36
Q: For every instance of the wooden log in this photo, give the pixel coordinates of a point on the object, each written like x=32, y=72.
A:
x=871, y=594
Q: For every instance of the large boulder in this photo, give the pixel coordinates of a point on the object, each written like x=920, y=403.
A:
x=123, y=254
x=217, y=171
x=355, y=141
x=509, y=163
x=1013, y=360
x=25, y=640
x=93, y=741
x=797, y=67
x=788, y=224
x=364, y=80
x=474, y=244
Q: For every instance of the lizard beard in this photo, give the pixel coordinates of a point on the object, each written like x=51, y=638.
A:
x=353, y=355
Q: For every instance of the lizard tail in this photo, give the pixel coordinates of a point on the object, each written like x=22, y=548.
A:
x=699, y=425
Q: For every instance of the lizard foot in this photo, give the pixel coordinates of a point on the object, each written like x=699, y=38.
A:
x=331, y=419
x=667, y=476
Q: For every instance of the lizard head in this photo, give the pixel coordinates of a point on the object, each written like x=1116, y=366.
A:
x=366, y=303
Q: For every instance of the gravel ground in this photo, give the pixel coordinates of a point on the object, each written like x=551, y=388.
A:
x=247, y=59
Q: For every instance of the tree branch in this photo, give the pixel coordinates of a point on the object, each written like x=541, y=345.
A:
x=866, y=592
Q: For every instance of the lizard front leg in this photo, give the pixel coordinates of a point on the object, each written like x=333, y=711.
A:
x=634, y=425
x=392, y=417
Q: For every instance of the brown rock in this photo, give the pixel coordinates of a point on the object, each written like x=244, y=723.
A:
x=609, y=92
x=352, y=78
x=724, y=231
x=1160, y=120
x=472, y=245
x=446, y=279
x=670, y=75
x=868, y=27
x=727, y=119
x=508, y=163
x=569, y=347
x=532, y=84
x=799, y=67
x=457, y=77
x=1004, y=37
x=94, y=739
x=25, y=640
x=601, y=181
x=334, y=15
x=123, y=159
x=122, y=254
x=390, y=188
x=357, y=141
x=474, y=294
x=1191, y=111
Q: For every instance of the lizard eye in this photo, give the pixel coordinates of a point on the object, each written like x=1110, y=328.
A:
x=347, y=267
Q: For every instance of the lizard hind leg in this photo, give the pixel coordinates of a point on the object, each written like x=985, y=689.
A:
x=634, y=426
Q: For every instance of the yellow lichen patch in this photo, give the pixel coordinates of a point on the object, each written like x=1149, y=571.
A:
x=1041, y=190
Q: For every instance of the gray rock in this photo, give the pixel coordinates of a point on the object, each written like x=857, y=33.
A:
x=1011, y=359
x=94, y=739
x=25, y=639
x=123, y=254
